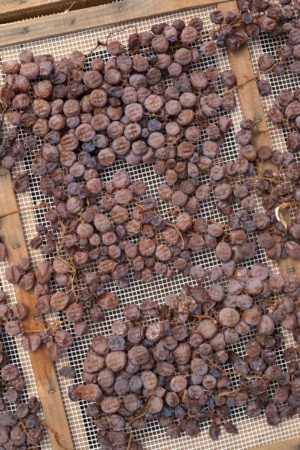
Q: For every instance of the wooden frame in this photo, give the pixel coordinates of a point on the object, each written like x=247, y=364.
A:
x=12, y=10
x=43, y=368
x=73, y=21
x=291, y=444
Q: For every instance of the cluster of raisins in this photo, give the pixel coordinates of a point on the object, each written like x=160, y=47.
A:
x=86, y=117
x=178, y=370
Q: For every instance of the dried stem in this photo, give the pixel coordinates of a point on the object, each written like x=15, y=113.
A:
x=248, y=377
x=178, y=231
x=173, y=212
x=50, y=327
x=238, y=86
x=203, y=277
x=230, y=393
x=204, y=316
x=214, y=364
x=128, y=425
x=170, y=224
x=271, y=180
x=27, y=208
x=74, y=278
x=119, y=31
x=218, y=223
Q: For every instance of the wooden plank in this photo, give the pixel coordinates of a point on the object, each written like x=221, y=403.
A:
x=252, y=108
x=43, y=368
x=12, y=10
x=291, y=444
x=103, y=15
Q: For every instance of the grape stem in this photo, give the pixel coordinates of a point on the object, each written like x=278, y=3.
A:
x=229, y=393
x=74, y=278
x=213, y=364
x=128, y=425
x=27, y=208
x=238, y=86
x=248, y=377
x=173, y=212
x=170, y=224
x=271, y=180
x=218, y=223
x=203, y=277
x=50, y=327
x=204, y=316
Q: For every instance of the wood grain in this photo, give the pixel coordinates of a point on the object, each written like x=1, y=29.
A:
x=291, y=444
x=252, y=108
x=44, y=371
x=12, y=10
x=73, y=21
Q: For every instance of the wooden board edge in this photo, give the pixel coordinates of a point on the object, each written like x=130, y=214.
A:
x=9, y=12
x=88, y=18
x=290, y=444
x=43, y=368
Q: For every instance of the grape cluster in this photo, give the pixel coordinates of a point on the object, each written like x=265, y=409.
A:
x=177, y=368
x=160, y=246
x=236, y=183
x=20, y=426
x=106, y=110
x=286, y=112
x=280, y=21
x=12, y=316
x=69, y=171
x=84, y=118
x=21, y=429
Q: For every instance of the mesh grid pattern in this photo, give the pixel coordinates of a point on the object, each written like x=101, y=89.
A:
x=252, y=432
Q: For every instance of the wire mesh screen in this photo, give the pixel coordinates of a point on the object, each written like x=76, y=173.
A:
x=252, y=432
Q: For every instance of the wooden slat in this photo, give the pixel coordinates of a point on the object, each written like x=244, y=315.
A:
x=60, y=24
x=252, y=108
x=291, y=444
x=12, y=10
x=44, y=371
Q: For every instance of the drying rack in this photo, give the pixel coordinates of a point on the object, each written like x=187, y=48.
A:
x=78, y=25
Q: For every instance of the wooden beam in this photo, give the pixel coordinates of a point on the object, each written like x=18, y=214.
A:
x=291, y=444
x=252, y=108
x=12, y=10
x=98, y=16
x=43, y=368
